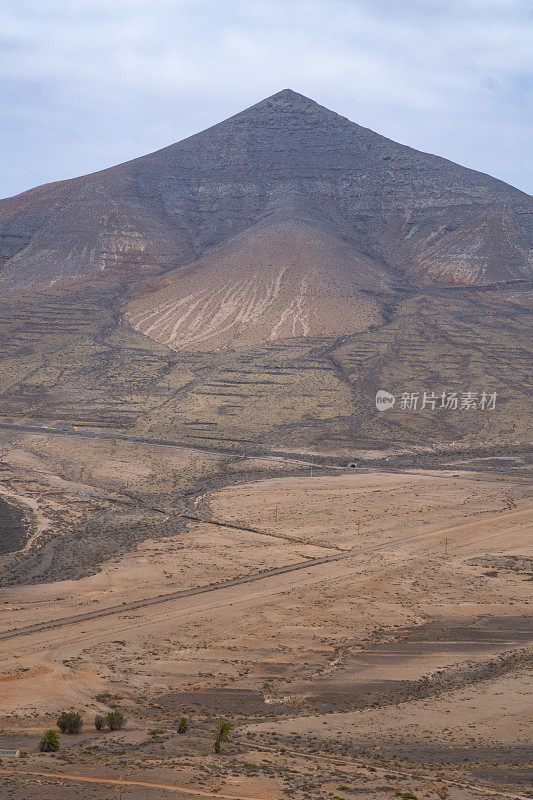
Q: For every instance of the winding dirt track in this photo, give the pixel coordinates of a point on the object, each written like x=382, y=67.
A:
x=170, y=787
x=258, y=576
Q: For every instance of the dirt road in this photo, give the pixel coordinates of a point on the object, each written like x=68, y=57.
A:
x=108, y=781
x=258, y=576
x=218, y=451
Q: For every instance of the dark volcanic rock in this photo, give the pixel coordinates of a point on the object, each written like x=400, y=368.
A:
x=13, y=527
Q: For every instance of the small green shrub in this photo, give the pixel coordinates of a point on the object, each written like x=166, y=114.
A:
x=99, y=722
x=115, y=720
x=407, y=795
x=154, y=732
x=183, y=725
x=50, y=742
x=223, y=732
x=70, y=722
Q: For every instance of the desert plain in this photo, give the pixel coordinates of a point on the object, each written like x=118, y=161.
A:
x=363, y=628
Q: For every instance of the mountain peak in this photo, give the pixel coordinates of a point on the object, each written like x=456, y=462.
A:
x=290, y=96
x=287, y=100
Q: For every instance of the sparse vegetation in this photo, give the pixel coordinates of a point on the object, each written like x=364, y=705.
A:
x=183, y=725
x=115, y=720
x=50, y=742
x=99, y=722
x=155, y=732
x=70, y=722
x=223, y=732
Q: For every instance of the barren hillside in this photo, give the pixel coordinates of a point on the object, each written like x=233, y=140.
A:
x=261, y=280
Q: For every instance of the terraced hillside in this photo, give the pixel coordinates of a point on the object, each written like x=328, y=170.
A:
x=69, y=359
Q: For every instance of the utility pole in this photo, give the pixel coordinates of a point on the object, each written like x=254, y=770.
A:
x=446, y=547
x=311, y=466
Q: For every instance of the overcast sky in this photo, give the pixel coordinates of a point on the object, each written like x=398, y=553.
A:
x=85, y=84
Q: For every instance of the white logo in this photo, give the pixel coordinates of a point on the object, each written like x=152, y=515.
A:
x=384, y=400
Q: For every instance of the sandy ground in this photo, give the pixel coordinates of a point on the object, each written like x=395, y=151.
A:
x=412, y=658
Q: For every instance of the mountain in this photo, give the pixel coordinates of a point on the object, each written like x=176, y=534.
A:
x=423, y=218
x=285, y=240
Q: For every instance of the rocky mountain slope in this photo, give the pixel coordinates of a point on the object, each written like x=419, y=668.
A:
x=261, y=280
x=287, y=158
